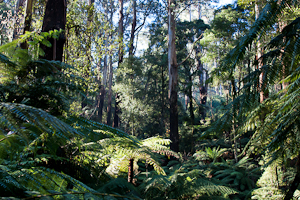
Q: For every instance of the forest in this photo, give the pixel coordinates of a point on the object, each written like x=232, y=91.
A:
x=149, y=99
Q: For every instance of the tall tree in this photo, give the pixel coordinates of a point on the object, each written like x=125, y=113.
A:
x=28, y=19
x=19, y=17
x=120, y=53
x=108, y=119
x=131, y=47
x=259, y=53
x=173, y=77
x=105, y=68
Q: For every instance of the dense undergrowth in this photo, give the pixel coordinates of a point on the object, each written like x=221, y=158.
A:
x=249, y=150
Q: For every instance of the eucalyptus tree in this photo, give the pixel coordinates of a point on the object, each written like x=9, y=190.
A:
x=19, y=17
x=173, y=77
x=120, y=54
x=110, y=79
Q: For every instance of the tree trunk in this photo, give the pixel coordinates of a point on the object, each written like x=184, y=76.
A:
x=132, y=28
x=162, y=117
x=27, y=22
x=190, y=97
x=130, y=171
x=28, y=15
x=281, y=25
x=19, y=17
x=101, y=102
x=103, y=85
x=234, y=94
x=173, y=78
x=261, y=89
x=121, y=30
x=108, y=119
x=55, y=18
x=117, y=109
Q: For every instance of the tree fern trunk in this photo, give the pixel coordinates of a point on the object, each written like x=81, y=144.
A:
x=130, y=171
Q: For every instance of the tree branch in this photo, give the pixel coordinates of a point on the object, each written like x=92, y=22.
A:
x=191, y=50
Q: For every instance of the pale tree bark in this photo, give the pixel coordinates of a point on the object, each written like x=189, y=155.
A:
x=28, y=15
x=173, y=78
x=259, y=53
x=104, y=80
x=27, y=22
x=132, y=28
x=55, y=18
x=202, y=85
x=121, y=31
x=19, y=17
x=121, y=17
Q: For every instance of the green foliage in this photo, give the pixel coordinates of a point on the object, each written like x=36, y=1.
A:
x=240, y=175
x=210, y=154
x=44, y=155
x=275, y=178
x=32, y=81
x=184, y=181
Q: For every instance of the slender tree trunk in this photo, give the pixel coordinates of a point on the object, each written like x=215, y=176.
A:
x=190, y=97
x=101, y=102
x=162, y=96
x=27, y=22
x=173, y=78
x=19, y=17
x=117, y=108
x=103, y=85
x=259, y=53
x=55, y=18
x=117, y=112
x=202, y=86
x=281, y=25
x=108, y=120
x=121, y=31
x=234, y=120
x=132, y=28
x=28, y=15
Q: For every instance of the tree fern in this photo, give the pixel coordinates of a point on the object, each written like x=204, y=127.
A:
x=184, y=183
